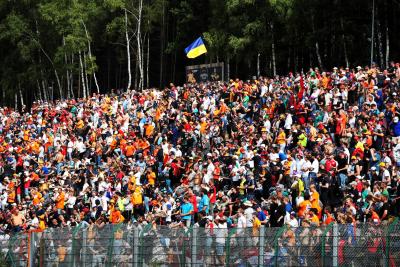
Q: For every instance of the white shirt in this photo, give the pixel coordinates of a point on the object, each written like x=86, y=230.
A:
x=70, y=146
x=93, y=201
x=71, y=201
x=221, y=233
x=288, y=122
x=241, y=222
x=291, y=222
x=315, y=166
x=81, y=147
x=103, y=186
x=249, y=215
x=396, y=151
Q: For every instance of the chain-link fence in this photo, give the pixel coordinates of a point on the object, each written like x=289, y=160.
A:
x=151, y=245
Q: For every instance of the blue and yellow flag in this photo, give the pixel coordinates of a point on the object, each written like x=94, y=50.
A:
x=196, y=48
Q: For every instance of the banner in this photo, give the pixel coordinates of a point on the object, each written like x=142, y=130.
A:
x=205, y=72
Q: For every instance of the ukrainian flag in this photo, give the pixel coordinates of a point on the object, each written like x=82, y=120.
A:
x=196, y=48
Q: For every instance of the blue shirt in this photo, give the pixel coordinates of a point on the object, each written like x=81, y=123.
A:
x=205, y=201
x=288, y=207
x=186, y=208
x=396, y=129
x=261, y=216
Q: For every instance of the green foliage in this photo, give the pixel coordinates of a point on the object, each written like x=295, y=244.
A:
x=36, y=36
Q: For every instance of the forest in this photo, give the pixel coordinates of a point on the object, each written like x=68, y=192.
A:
x=58, y=49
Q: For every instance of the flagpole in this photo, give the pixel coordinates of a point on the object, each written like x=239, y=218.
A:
x=372, y=31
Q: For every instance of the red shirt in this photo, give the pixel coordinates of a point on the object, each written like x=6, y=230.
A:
x=330, y=164
x=193, y=200
x=213, y=196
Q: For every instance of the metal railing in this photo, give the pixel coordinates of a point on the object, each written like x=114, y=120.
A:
x=151, y=245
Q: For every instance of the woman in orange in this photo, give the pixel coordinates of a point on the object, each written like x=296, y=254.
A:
x=315, y=200
x=116, y=216
x=11, y=196
x=130, y=150
x=304, y=206
x=60, y=200
x=37, y=197
x=149, y=129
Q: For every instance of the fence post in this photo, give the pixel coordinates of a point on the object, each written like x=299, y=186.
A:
x=335, y=243
x=141, y=243
x=387, y=241
x=135, y=246
x=30, y=248
x=74, y=233
x=194, y=246
x=276, y=243
x=261, y=246
x=231, y=232
x=323, y=243
x=84, y=247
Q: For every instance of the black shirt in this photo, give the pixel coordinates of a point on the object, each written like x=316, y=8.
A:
x=342, y=162
x=384, y=207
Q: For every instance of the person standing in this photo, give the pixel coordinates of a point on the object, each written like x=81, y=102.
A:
x=186, y=212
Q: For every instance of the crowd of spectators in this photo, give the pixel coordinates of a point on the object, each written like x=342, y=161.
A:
x=303, y=149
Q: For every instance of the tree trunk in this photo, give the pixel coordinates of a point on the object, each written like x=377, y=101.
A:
x=55, y=70
x=90, y=57
x=82, y=75
x=86, y=75
x=139, y=45
x=136, y=81
x=128, y=51
x=66, y=64
x=3, y=95
x=16, y=102
x=273, y=50
x=258, y=65
x=228, y=69
x=20, y=95
x=346, y=59
x=387, y=38
x=162, y=37
x=316, y=45
x=45, y=91
x=372, y=31
x=52, y=91
x=39, y=91
x=148, y=60
x=174, y=66
x=58, y=84
x=387, y=48
x=318, y=55
x=72, y=78
x=380, y=45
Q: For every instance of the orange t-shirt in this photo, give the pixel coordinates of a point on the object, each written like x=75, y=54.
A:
x=151, y=177
x=203, y=127
x=315, y=201
x=303, y=207
x=60, y=201
x=329, y=219
x=37, y=199
x=11, y=197
x=116, y=217
x=315, y=220
x=149, y=130
x=130, y=150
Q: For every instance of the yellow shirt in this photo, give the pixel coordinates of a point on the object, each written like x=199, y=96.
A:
x=80, y=124
x=151, y=177
x=137, y=198
x=281, y=139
